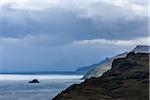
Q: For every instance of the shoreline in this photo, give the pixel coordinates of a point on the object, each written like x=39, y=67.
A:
x=39, y=77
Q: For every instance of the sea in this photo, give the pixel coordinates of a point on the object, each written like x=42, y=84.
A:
x=17, y=86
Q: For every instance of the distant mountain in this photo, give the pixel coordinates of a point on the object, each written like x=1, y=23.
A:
x=87, y=68
x=98, y=70
x=128, y=79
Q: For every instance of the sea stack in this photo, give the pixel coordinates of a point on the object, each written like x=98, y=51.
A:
x=34, y=81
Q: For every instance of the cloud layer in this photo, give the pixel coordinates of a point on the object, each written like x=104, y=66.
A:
x=66, y=34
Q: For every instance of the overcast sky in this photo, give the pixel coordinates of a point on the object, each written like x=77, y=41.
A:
x=47, y=35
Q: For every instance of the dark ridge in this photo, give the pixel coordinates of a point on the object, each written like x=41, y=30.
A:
x=128, y=79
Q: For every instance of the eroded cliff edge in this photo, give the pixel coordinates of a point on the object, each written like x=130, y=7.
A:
x=128, y=79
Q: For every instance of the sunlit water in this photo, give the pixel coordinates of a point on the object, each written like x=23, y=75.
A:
x=16, y=87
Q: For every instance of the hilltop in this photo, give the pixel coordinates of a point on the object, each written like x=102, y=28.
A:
x=98, y=70
x=128, y=79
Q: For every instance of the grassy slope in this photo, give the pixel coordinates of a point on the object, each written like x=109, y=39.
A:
x=128, y=79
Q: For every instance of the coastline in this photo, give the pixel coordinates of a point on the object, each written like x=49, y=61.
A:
x=38, y=76
x=128, y=79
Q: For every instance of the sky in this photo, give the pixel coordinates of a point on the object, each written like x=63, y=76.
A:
x=63, y=35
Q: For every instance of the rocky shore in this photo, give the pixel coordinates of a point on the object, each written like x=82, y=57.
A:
x=128, y=79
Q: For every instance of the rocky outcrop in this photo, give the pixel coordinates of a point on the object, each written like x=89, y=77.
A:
x=98, y=70
x=141, y=49
x=128, y=79
x=34, y=81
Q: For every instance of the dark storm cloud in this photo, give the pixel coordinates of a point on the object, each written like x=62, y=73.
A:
x=65, y=35
x=55, y=21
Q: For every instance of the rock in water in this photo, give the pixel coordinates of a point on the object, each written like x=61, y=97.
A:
x=34, y=81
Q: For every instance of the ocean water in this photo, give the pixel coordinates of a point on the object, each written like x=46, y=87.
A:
x=16, y=87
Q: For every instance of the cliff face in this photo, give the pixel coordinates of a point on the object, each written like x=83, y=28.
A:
x=128, y=79
x=100, y=69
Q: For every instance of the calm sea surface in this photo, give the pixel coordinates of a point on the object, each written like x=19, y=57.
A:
x=16, y=86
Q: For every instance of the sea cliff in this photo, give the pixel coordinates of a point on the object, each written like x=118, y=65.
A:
x=98, y=70
x=128, y=79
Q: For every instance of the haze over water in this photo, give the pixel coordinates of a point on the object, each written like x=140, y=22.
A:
x=16, y=86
